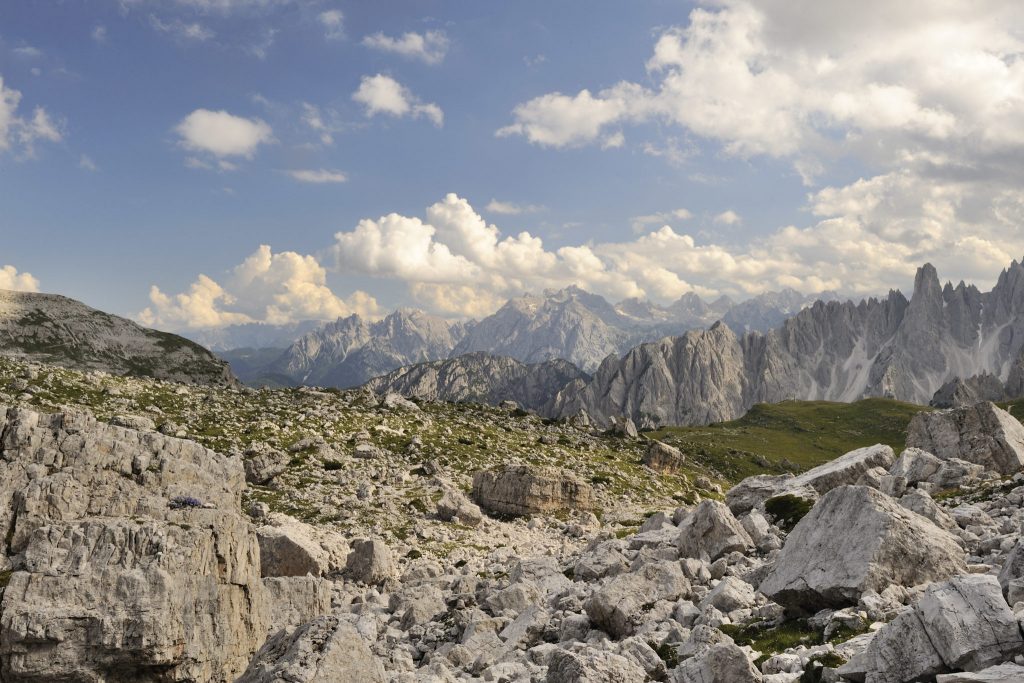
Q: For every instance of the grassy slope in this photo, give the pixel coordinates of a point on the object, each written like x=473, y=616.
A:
x=793, y=435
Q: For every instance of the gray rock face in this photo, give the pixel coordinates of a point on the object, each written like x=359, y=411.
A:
x=370, y=561
x=839, y=351
x=477, y=377
x=525, y=490
x=109, y=581
x=856, y=539
x=661, y=457
x=592, y=666
x=54, y=329
x=711, y=530
x=847, y=469
x=456, y=507
x=697, y=378
x=289, y=547
x=618, y=605
x=982, y=434
x=585, y=329
x=722, y=663
x=965, y=392
x=1011, y=576
x=325, y=650
x=962, y=624
x=969, y=622
x=1002, y=673
x=351, y=351
x=262, y=466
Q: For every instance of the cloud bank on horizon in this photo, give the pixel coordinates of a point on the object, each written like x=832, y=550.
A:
x=904, y=121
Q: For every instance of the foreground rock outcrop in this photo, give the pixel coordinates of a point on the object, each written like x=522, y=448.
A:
x=130, y=558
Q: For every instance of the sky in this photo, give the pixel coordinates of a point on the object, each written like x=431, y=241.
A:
x=200, y=163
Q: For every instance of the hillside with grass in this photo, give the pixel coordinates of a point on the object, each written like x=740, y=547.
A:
x=792, y=436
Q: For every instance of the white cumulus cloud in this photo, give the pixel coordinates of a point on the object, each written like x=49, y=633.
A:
x=21, y=133
x=10, y=278
x=430, y=47
x=728, y=217
x=222, y=134
x=382, y=94
x=265, y=287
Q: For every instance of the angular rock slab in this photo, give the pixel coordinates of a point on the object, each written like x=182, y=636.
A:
x=324, y=650
x=526, y=490
x=710, y=529
x=618, y=605
x=289, y=547
x=663, y=458
x=1011, y=576
x=722, y=663
x=969, y=622
x=592, y=666
x=846, y=469
x=982, y=434
x=856, y=539
x=1003, y=673
x=961, y=624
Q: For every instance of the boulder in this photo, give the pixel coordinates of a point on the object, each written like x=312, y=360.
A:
x=721, y=663
x=618, y=606
x=920, y=502
x=853, y=540
x=289, y=547
x=846, y=469
x=1011, y=576
x=752, y=492
x=324, y=650
x=961, y=624
x=1002, y=673
x=371, y=561
x=711, y=530
x=915, y=465
x=137, y=422
x=589, y=665
x=456, y=507
x=263, y=465
x=663, y=458
x=969, y=622
x=730, y=594
x=526, y=490
x=982, y=434
x=604, y=559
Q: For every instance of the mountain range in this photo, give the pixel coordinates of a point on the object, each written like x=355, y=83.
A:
x=894, y=347
x=48, y=328
x=569, y=324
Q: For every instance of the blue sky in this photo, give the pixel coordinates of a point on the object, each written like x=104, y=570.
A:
x=176, y=139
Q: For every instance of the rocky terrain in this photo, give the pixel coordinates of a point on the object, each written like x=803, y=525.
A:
x=568, y=324
x=155, y=531
x=54, y=329
x=948, y=345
